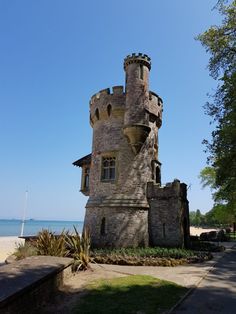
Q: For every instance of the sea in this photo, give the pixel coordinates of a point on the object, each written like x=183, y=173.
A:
x=12, y=227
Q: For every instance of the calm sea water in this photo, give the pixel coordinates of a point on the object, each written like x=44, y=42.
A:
x=12, y=227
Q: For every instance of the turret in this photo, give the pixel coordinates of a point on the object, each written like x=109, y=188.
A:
x=136, y=120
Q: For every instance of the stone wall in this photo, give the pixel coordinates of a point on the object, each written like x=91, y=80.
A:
x=27, y=285
x=117, y=227
x=168, y=214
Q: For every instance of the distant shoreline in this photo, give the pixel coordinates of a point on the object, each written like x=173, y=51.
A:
x=12, y=227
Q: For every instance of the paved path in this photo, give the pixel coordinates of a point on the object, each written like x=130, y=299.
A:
x=216, y=293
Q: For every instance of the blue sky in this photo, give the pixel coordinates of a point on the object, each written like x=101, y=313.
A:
x=54, y=55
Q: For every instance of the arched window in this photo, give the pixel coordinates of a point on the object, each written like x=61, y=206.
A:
x=97, y=113
x=109, y=110
x=103, y=226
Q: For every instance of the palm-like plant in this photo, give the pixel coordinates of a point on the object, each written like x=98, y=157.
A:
x=78, y=247
x=49, y=244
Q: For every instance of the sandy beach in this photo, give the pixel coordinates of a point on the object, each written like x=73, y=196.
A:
x=8, y=244
x=198, y=231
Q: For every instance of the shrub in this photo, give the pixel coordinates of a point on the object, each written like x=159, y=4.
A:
x=24, y=250
x=155, y=256
x=206, y=247
x=48, y=243
x=148, y=252
x=78, y=247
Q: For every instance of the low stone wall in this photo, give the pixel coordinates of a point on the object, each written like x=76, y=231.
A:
x=27, y=284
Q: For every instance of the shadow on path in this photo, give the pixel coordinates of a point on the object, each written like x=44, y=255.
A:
x=216, y=293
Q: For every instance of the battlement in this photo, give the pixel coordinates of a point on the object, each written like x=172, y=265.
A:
x=155, y=98
x=106, y=103
x=116, y=90
x=138, y=58
x=173, y=189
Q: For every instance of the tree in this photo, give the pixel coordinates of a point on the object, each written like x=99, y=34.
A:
x=208, y=177
x=220, y=43
x=192, y=218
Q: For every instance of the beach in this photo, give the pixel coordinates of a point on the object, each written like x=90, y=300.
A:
x=197, y=230
x=7, y=246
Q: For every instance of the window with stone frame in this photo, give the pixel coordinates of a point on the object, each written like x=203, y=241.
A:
x=108, y=168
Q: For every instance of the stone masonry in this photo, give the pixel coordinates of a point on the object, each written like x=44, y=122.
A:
x=168, y=214
x=124, y=159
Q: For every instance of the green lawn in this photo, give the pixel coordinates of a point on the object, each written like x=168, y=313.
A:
x=131, y=294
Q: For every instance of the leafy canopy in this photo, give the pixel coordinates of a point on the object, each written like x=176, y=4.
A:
x=220, y=43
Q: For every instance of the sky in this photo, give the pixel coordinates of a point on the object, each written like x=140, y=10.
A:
x=54, y=55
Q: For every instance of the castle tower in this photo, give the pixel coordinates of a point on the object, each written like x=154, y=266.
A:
x=124, y=158
x=136, y=120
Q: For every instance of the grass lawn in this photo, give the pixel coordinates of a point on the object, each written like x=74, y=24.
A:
x=130, y=294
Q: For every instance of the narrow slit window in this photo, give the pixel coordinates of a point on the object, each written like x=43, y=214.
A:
x=103, y=226
x=141, y=72
x=109, y=110
x=158, y=175
x=164, y=230
x=97, y=113
x=108, y=168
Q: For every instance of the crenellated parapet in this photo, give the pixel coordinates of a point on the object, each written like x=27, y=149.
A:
x=107, y=103
x=138, y=58
x=174, y=189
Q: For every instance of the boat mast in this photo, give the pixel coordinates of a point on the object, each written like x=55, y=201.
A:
x=24, y=214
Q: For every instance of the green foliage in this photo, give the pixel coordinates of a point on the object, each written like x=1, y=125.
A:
x=129, y=294
x=208, y=177
x=78, y=247
x=147, y=252
x=223, y=214
x=156, y=256
x=65, y=244
x=206, y=246
x=196, y=218
x=48, y=243
x=24, y=250
x=220, y=43
x=220, y=215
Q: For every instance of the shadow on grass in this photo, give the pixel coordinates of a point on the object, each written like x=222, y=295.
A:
x=131, y=294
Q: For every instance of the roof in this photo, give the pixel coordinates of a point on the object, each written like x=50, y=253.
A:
x=86, y=160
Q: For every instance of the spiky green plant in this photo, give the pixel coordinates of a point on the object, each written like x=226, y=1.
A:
x=49, y=244
x=78, y=247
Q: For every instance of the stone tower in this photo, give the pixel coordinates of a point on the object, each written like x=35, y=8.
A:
x=124, y=158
